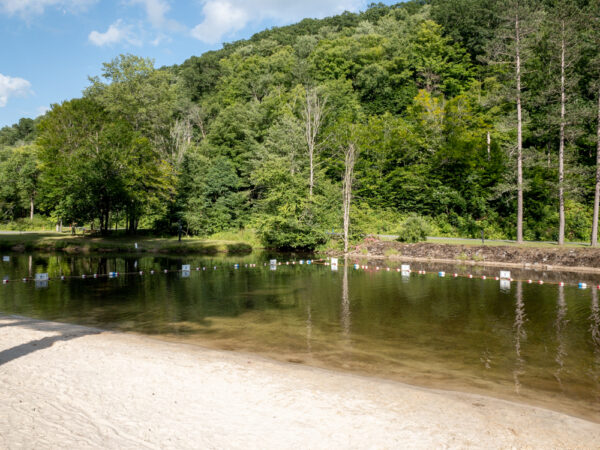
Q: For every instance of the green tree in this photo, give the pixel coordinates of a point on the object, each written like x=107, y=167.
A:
x=210, y=194
x=19, y=181
x=93, y=165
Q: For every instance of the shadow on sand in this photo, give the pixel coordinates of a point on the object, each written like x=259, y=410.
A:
x=72, y=332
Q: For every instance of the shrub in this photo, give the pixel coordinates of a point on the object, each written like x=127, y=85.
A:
x=289, y=234
x=414, y=229
x=239, y=248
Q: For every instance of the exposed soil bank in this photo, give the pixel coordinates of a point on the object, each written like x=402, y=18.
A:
x=65, y=386
x=565, y=259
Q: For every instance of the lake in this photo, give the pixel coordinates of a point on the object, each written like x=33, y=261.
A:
x=537, y=344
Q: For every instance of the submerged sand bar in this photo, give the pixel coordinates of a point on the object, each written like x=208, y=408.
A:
x=66, y=386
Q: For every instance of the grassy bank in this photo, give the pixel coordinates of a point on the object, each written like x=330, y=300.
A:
x=51, y=242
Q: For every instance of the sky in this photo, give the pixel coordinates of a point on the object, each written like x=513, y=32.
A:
x=50, y=47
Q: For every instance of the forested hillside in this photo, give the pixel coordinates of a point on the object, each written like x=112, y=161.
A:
x=445, y=116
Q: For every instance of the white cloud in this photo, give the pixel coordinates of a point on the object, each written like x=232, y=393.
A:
x=220, y=18
x=41, y=110
x=225, y=17
x=156, y=14
x=29, y=7
x=155, y=10
x=12, y=87
x=117, y=32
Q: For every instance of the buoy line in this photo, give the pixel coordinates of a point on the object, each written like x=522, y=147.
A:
x=405, y=270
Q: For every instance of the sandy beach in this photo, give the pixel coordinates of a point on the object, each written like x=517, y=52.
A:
x=66, y=386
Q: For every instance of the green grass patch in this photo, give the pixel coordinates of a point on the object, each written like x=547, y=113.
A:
x=391, y=252
x=49, y=242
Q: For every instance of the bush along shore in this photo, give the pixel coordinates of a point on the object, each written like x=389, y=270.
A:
x=546, y=258
x=52, y=242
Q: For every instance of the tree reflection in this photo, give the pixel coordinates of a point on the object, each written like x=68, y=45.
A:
x=308, y=325
x=346, y=315
x=520, y=334
x=560, y=325
x=595, y=330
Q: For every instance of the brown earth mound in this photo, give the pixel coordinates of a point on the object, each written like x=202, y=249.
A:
x=505, y=255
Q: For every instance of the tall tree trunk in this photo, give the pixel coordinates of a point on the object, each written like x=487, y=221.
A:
x=31, y=208
x=489, y=146
x=519, y=134
x=311, y=181
x=313, y=113
x=350, y=159
x=597, y=195
x=561, y=147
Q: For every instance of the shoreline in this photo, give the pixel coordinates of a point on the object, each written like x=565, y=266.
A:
x=456, y=262
x=67, y=384
x=581, y=260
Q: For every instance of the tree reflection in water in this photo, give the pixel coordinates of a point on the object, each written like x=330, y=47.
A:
x=346, y=315
x=560, y=325
x=520, y=334
x=595, y=330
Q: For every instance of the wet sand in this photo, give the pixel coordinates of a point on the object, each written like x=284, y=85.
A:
x=66, y=386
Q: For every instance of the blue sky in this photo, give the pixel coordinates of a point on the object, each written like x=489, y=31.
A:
x=50, y=47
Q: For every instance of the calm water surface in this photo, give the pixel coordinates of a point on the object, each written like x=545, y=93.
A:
x=529, y=343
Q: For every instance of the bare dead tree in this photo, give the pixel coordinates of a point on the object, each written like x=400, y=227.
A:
x=564, y=23
x=519, y=126
x=597, y=193
x=596, y=42
x=509, y=48
x=561, y=146
x=182, y=132
x=313, y=113
x=350, y=156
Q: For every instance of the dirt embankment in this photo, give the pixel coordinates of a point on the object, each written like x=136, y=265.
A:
x=578, y=259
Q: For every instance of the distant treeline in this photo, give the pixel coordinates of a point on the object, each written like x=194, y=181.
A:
x=470, y=114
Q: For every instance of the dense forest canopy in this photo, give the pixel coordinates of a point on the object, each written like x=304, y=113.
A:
x=464, y=115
